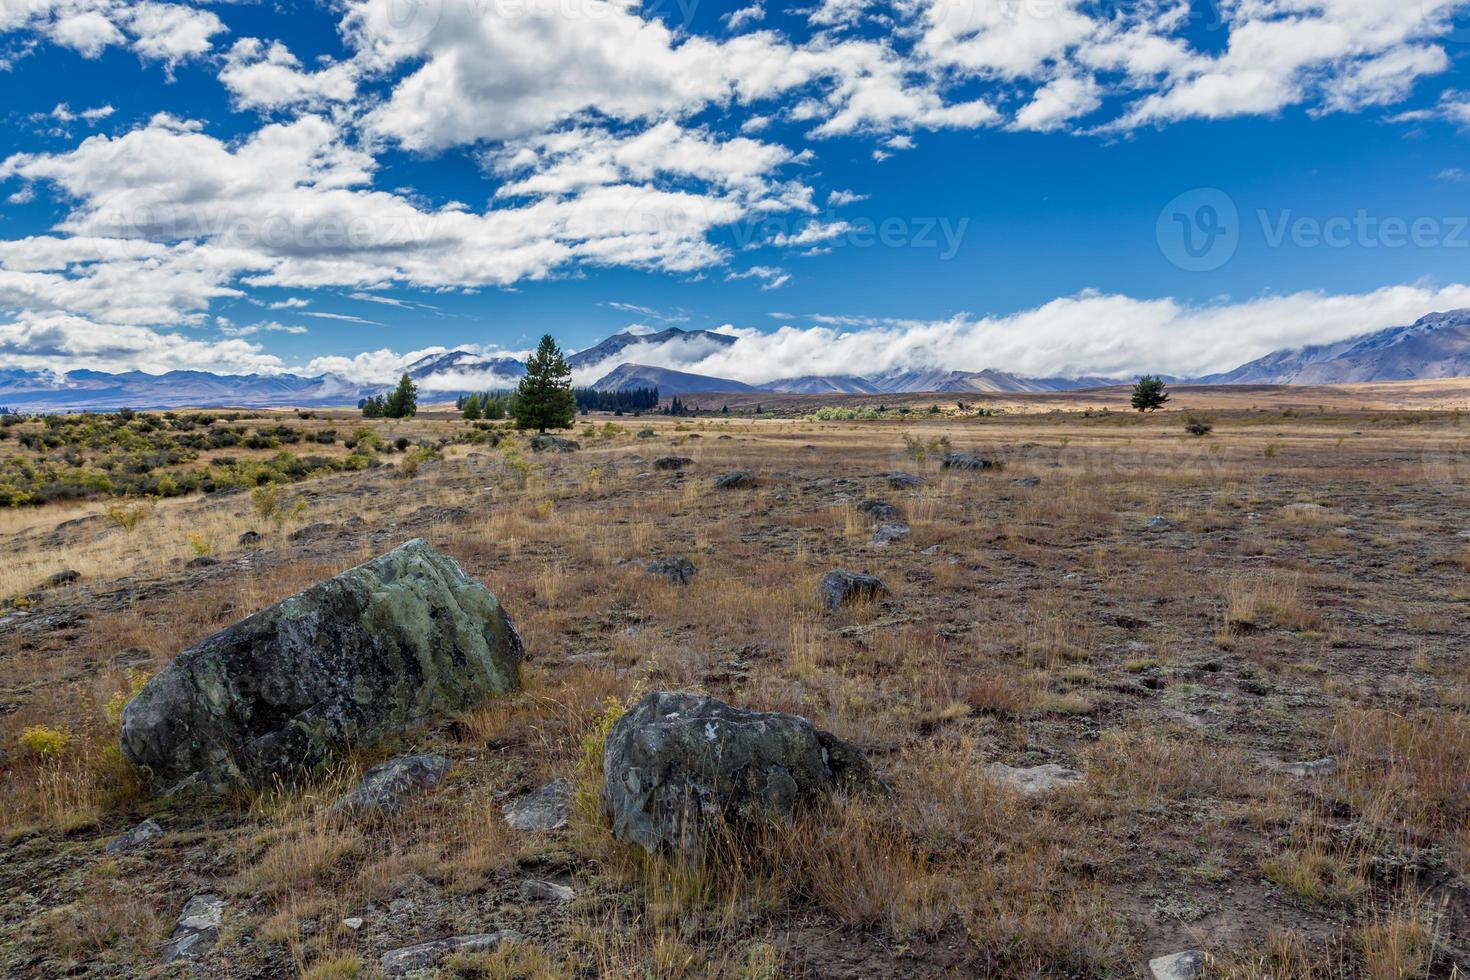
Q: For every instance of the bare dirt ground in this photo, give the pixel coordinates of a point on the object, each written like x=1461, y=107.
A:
x=1304, y=598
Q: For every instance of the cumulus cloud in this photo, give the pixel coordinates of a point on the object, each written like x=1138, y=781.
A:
x=165, y=32
x=61, y=343
x=269, y=76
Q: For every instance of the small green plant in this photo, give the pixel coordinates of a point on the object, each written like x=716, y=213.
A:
x=587, y=797
x=119, y=700
x=270, y=505
x=418, y=456
x=126, y=516
x=201, y=545
x=46, y=741
x=543, y=509
x=1270, y=449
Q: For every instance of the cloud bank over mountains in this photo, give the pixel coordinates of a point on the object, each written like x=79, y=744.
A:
x=613, y=136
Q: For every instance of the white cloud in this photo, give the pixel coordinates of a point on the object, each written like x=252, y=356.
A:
x=165, y=32
x=771, y=277
x=58, y=342
x=230, y=330
x=737, y=19
x=268, y=76
x=1088, y=334
x=838, y=198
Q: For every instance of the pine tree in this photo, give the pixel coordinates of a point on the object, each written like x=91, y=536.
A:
x=1149, y=394
x=544, y=398
x=403, y=403
x=470, y=408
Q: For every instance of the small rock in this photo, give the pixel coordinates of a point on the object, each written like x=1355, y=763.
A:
x=397, y=962
x=886, y=534
x=840, y=587
x=880, y=510
x=312, y=532
x=966, y=461
x=534, y=890
x=140, y=835
x=541, y=810
x=672, y=462
x=1035, y=779
x=646, y=433
x=548, y=443
x=904, y=481
x=66, y=576
x=1159, y=523
x=251, y=537
x=1188, y=965
x=737, y=480
x=353, y=922
x=1029, y=481
x=196, y=929
x=387, y=786
x=203, y=561
x=678, y=569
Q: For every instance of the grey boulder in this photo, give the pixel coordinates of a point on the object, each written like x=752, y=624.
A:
x=904, y=481
x=679, y=765
x=386, y=787
x=880, y=510
x=678, y=570
x=393, y=642
x=1188, y=965
x=840, y=587
x=886, y=534
x=672, y=462
x=545, y=443
x=967, y=461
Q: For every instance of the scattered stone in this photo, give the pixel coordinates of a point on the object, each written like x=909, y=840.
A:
x=397, y=962
x=677, y=761
x=933, y=549
x=1188, y=965
x=396, y=640
x=534, y=890
x=737, y=480
x=548, y=443
x=839, y=587
x=312, y=532
x=197, y=928
x=678, y=570
x=880, y=510
x=251, y=537
x=203, y=561
x=967, y=461
x=646, y=433
x=353, y=922
x=672, y=462
x=67, y=576
x=544, y=809
x=1034, y=779
x=1159, y=523
x=886, y=534
x=145, y=833
x=904, y=481
x=388, y=785
x=1305, y=510
x=1029, y=481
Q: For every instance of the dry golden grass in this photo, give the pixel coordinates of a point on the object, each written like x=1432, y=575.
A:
x=1045, y=628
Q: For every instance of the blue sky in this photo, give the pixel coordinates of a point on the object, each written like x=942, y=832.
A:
x=849, y=186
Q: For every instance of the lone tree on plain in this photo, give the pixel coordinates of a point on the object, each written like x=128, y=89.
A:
x=403, y=403
x=1149, y=394
x=544, y=398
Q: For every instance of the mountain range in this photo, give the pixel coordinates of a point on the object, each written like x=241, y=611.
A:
x=1433, y=347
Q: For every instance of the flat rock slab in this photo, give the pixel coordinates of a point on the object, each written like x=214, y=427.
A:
x=1307, y=770
x=903, y=481
x=386, y=787
x=967, y=461
x=535, y=890
x=886, y=534
x=197, y=928
x=541, y=810
x=397, y=962
x=738, y=480
x=1188, y=965
x=1033, y=779
x=143, y=834
x=395, y=641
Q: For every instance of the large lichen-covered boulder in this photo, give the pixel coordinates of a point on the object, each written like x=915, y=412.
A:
x=679, y=765
x=380, y=647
